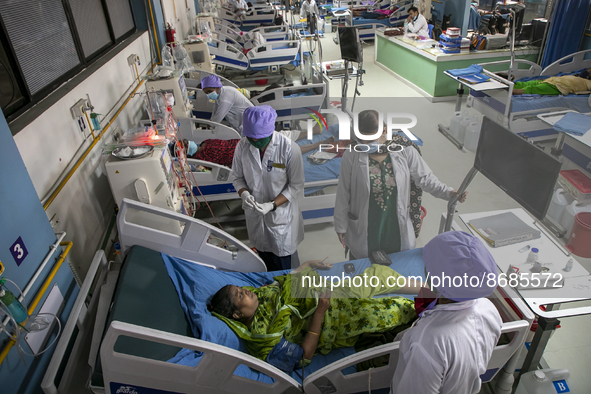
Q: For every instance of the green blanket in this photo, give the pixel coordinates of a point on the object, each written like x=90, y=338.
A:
x=285, y=309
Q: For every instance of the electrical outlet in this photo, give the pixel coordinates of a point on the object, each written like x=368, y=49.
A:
x=54, y=221
x=77, y=110
x=133, y=58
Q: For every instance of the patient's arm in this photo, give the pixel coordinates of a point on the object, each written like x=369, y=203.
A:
x=311, y=339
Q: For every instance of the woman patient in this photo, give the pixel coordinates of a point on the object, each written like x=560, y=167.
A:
x=295, y=317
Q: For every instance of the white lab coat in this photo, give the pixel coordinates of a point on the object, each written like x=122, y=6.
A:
x=448, y=349
x=230, y=104
x=278, y=232
x=306, y=8
x=352, y=200
x=239, y=4
x=419, y=26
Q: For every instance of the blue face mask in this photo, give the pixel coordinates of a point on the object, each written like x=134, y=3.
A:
x=374, y=147
x=192, y=148
x=213, y=95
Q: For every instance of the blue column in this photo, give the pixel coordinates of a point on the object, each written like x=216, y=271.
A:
x=22, y=217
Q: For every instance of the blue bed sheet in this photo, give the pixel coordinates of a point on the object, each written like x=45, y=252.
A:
x=527, y=102
x=320, y=172
x=195, y=284
x=358, y=21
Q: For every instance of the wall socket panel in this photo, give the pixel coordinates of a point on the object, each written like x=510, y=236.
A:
x=77, y=109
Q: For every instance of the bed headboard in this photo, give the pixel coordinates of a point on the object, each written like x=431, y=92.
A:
x=199, y=130
x=570, y=63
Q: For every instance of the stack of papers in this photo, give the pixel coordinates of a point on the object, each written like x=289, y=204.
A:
x=503, y=229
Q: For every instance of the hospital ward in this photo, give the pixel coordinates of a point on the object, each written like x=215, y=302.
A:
x=295, y=196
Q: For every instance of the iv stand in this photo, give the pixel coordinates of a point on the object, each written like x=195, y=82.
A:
x=453, y=202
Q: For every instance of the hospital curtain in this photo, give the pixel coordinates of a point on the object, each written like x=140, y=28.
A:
x=568, y=25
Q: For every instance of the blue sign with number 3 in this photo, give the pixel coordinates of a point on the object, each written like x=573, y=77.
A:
x=18, y=251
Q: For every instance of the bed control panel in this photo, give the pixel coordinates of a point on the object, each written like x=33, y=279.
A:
x=223, y=175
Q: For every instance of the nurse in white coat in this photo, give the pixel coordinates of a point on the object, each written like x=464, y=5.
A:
x=229, y=102
x=450, y=346
x=373, y=195
x=268, y=173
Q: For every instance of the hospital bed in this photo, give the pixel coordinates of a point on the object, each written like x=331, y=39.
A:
x=293, y=102
x=270, y=33
x=143, y=341
x=216, y=185
x=255, y=16
x=519, y=113
x=229, y=53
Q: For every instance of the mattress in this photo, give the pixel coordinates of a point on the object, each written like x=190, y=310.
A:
x=145, y=296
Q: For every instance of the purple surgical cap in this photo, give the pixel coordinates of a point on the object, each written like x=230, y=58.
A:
x=211, y=81
x=258, y=122
x=454, y=255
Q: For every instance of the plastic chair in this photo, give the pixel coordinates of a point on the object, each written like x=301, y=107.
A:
x=430, y=30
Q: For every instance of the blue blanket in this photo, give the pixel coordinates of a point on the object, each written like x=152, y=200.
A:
x=320, y=172
x=573, y=123
x=195, y=284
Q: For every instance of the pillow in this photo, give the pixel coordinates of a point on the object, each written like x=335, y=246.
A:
x=196, y=284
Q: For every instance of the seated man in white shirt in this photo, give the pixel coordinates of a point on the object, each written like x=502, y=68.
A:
x=449, y=347
x=417, y=23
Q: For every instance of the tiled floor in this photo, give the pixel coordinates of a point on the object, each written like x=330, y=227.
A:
x=570, y=347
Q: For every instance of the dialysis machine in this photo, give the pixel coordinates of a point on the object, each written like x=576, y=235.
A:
x=151, y=179
x=199, y=55
x=175, y=85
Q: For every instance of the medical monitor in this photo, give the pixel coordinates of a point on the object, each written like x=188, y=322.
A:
x=522, y=170
x=350, y=44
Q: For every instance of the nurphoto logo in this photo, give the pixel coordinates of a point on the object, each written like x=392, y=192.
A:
x=391, y=120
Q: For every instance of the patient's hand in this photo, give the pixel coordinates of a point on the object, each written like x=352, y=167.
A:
x=323, y=302
x=320, y=265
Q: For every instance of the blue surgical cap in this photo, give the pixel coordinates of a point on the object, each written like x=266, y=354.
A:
x=258, y=122
x=211, y=81
x=454, y=255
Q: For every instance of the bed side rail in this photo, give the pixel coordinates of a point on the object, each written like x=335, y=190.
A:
x=191, y=244
x=331, y=379
x=214, y=373
x=572, y=62
x=219, y=174
x=278, y=94
x=533, y=69
x=199, y=130
x=82, y=318
x=200, y=74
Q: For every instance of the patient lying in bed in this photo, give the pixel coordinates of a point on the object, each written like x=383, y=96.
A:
x=222, y=151
x=553, y=86
x=294, y=317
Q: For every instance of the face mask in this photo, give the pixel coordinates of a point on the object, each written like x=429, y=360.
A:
x=260, y=144
x=213, y=95
x=374, y=147
x=192, y=148
x=425, y=300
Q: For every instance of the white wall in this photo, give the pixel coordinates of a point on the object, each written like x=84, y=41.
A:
x=180, y=14
x=85, y=205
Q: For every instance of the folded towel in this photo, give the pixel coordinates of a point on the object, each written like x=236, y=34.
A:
x=473, y=69
x=573, y=123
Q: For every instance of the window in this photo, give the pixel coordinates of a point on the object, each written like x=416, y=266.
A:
x=46, y=42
